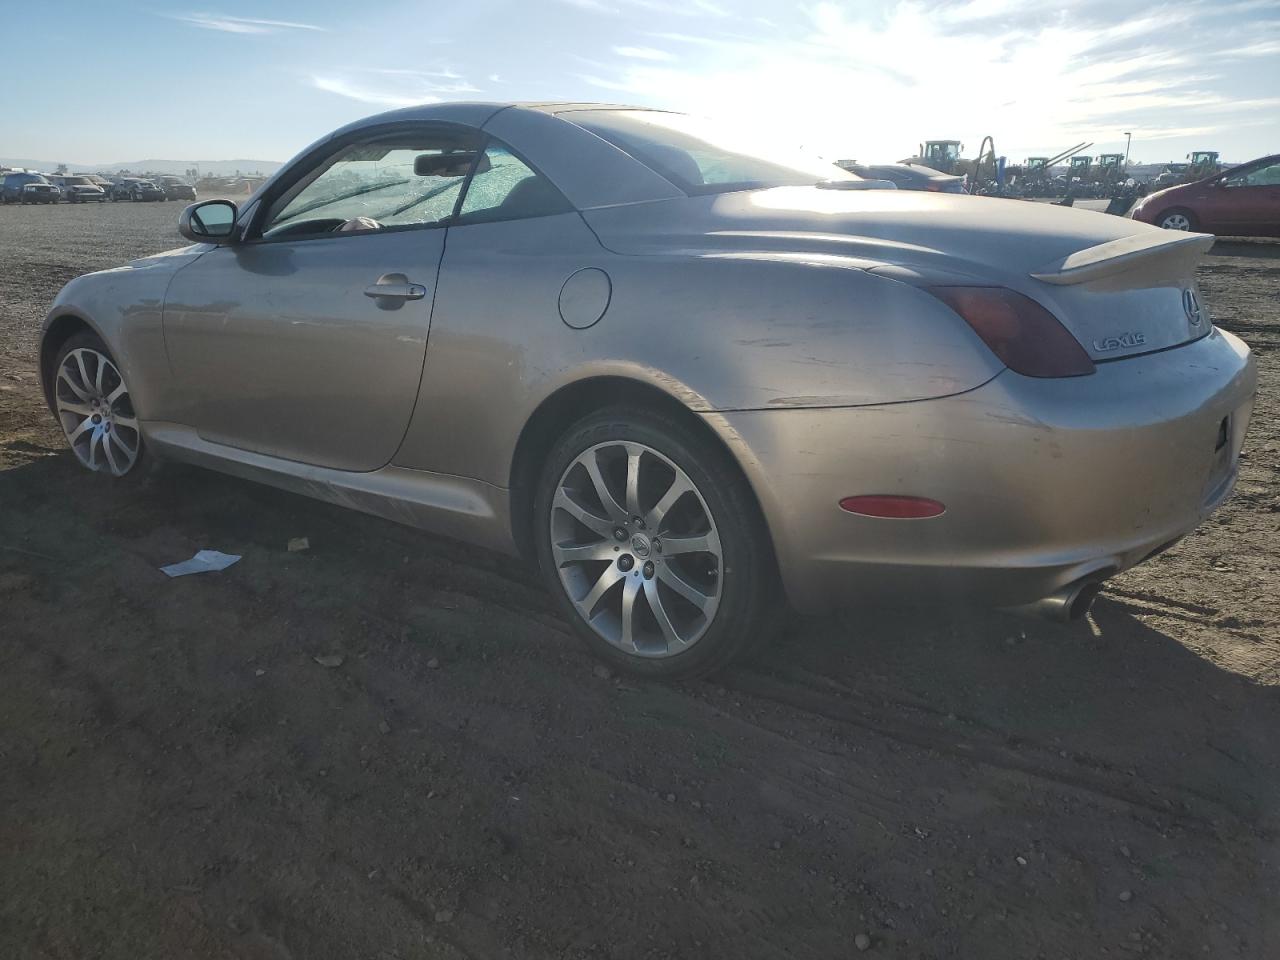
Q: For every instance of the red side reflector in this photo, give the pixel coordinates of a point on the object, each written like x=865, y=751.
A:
x=893, y=507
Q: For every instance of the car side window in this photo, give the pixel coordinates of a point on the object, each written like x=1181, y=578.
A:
x=401, y=181
x=505, y=188
x=1268, y=176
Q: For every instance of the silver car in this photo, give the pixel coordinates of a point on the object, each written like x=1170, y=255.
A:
x=690, y=377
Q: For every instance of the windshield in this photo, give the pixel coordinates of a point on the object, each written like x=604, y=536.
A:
x=700, y=157
x=77, y=181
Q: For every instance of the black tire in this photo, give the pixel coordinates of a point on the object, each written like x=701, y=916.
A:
x=750, y=606
x=146, y=466
x=1193, y=223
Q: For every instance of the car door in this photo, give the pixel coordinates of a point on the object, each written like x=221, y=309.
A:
x=306, y=341
x=517, y=280
x=1251, y=200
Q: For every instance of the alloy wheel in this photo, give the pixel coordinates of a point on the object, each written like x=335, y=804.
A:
x=96, y=413
x=636, y=549
x=1176, y=221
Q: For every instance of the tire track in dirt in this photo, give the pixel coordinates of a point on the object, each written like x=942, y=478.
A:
x=1189, y=809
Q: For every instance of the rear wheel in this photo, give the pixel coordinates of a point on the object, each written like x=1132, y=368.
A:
x=95, y=409
x=1177, y=219
x=652, y=542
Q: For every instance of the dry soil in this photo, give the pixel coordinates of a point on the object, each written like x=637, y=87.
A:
x=180, y=776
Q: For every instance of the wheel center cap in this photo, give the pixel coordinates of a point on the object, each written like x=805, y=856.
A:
x=640, y=545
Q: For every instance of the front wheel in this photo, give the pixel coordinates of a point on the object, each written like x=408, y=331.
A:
x=652, y=541
x=1177, y=219
x=95, y=410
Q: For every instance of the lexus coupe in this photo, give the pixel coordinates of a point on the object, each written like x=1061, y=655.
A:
x=691, y=375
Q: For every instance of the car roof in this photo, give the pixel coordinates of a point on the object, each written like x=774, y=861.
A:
x=1271, y=158
x=588, y=170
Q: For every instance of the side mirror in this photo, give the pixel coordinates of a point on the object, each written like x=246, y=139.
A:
x=210, y=221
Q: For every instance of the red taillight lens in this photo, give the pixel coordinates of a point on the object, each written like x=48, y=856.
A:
x=1026, y=337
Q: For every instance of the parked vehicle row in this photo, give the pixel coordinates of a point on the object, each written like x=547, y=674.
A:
x=26, y=187
x=1241, y=201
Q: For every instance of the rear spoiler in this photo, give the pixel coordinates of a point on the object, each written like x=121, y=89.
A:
x=1148, y=252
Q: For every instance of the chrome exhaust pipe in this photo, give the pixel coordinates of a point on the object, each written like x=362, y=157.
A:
x=1067, y=605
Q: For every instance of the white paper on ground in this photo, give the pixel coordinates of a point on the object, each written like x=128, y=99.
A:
x=205, y=561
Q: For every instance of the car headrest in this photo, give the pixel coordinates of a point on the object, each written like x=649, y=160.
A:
x=675, y=161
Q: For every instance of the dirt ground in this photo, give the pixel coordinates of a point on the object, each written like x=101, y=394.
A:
x=180, y=777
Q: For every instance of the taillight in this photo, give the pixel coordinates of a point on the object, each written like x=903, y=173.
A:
x=1026, y=337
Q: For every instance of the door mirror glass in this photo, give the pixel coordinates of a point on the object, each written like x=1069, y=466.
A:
x=213, y=221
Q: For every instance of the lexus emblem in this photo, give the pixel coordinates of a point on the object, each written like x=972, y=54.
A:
x=1191, y=305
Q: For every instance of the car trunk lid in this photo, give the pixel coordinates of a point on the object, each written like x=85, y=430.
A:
x=1129, y=296
x=1121, y=287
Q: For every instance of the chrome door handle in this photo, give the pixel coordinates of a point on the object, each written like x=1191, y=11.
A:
x=397, y=291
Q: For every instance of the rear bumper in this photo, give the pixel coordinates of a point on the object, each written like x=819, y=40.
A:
x=1045, y=481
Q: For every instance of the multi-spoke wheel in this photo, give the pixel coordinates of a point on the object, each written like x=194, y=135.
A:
x=654, y=544
x=94, y=408
x=636, y=549
x=1178, y=220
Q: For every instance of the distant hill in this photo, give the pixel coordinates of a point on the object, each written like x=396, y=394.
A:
x=213, y=168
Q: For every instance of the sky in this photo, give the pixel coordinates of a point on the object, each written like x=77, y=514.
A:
x=106, y=82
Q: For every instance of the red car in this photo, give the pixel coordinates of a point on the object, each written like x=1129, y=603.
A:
x=1242, y=202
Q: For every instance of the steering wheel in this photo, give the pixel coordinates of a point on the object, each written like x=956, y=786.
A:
x=359, y=225
x=307, y=228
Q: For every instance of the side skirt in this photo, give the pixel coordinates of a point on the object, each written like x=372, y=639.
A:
x=457, y=507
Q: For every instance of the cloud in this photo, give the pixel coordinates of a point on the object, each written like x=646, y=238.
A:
x=604, y=84
x=851, y=81
x=643, y=53
x=394, y=88
x=1263, y=48
x=679, y=8
x=354, y=91
x=226, y=24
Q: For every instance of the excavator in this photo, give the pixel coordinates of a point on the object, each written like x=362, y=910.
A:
x=1204, y=163
x=1110, y=168
x=941, y=155
x=1078, y=171
x=983, y=173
